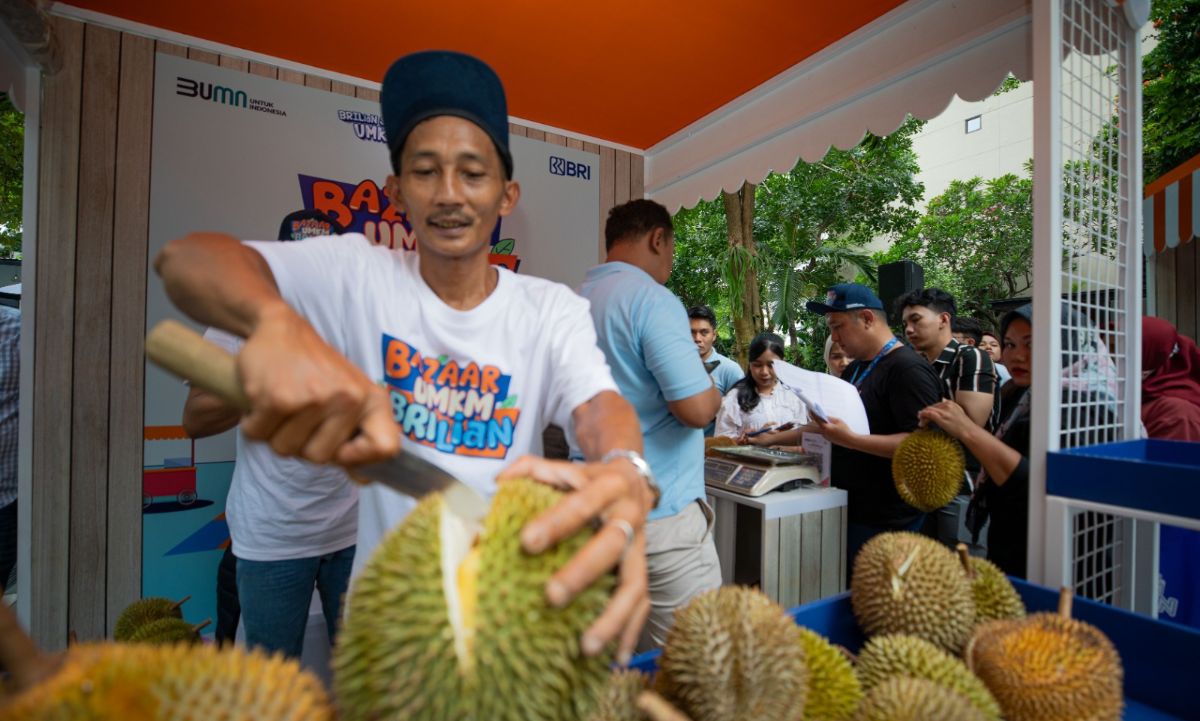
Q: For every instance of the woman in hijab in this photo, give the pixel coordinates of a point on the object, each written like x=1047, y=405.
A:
x=1002, y=487
x=836, y=359
x=1170, y=382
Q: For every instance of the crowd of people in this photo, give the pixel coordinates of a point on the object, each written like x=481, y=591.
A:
x=344, y=346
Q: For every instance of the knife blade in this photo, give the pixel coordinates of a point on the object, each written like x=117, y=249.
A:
x=182, y=351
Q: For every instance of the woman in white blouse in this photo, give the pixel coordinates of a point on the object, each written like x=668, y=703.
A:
x=757, y=410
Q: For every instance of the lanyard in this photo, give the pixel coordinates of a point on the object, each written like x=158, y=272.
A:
x=882, y=352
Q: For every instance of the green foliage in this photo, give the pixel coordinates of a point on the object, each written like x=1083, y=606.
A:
x=1010, y=83
x=975, y=241
x=810, y=226
x=1171, y=87
x=12, y=177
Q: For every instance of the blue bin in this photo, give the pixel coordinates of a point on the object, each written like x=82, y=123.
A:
x=1161, y=660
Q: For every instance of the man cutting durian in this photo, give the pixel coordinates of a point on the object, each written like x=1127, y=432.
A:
x=354, y=352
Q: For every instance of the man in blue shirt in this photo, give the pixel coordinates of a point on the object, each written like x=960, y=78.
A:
x=640, y=326
x=724, y=372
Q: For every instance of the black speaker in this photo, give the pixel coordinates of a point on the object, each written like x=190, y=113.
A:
x=896, y=279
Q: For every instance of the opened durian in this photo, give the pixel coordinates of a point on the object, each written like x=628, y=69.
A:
x=994, y=594
x=734, y=655
x=834, y=691
x=141, y=682
x=886, y=656
x=901, y=698
x=1048, y=667
x=907, y=583
x=618, y=700
x=928, y=468
x=144, y=611
x=450, y=621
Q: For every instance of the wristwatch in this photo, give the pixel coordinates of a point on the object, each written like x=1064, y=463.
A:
x=642, y=467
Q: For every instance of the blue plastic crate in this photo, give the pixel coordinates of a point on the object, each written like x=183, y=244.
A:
x=1161, y=659
x=1150, y=475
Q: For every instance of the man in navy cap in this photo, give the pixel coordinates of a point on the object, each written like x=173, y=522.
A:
x=355, y=352
x=895, y=383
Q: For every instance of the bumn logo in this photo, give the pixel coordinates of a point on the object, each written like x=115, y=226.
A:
x=569, y=168
x=189, y=88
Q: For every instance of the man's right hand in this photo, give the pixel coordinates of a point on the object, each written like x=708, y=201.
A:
x=307, y=399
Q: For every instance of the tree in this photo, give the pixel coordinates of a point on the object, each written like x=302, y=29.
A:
x=1170, y=88
x=12, y=177
x=975, y=241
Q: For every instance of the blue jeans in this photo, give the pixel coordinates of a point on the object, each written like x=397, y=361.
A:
x=857, y=535
x=275, y=596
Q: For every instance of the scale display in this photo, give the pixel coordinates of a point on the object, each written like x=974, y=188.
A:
x=753, y=471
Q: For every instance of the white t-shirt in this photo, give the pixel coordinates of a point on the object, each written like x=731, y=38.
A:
x=780, y=407
x=472, y=390
x=285, y=508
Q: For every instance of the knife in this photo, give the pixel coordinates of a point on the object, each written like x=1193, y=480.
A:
x=182, y=351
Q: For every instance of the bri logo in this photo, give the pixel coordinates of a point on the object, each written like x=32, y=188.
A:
x=569, y=168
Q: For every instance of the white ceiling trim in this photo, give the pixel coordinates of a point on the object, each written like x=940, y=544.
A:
x=913, y=60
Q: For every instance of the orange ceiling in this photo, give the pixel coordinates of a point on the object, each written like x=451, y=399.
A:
x=628, y=71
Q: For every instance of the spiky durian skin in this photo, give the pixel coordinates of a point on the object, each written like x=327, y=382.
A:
x=994, y=594
x=141, y=682
x=834, y=691
x=733, y=654
x=165, y=630
x=886, y=656
x=396, y=657
x=141, y=612
x=618, y=700
x=910, y=584
x=1048, y=668
x=927, y=469
x=901, y=698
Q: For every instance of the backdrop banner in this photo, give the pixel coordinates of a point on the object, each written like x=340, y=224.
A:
x=236, y=153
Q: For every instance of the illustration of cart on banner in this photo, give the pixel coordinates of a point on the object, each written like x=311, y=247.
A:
x=176, y=479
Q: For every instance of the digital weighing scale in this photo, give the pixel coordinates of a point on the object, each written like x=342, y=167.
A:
x=753, y=471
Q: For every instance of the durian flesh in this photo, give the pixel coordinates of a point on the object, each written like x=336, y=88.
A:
x=447, y=623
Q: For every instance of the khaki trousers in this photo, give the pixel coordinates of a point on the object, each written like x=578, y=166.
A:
x=682, y=561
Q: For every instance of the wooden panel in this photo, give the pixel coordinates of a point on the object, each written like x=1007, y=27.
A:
x=318, y=82
x=368, y=94
x=58, y=186
x=342, y=88
x=574, y=144
x=833, y=536
x=789, y=550
x=607, y=191
x=591, y=148
x=93, y=307
x=555, y=139
x=770, y=558
x=621, y=178
x=131, y=219
x=637, y=177
x=167, y=48
x=1166, y=285
x=229, y=62
x=264, y=70
x=535, y=134
x=724, y=534
x=517, y=130
x=203, y=56
x=810, y=557
x=291, y=76
x=1185, y=289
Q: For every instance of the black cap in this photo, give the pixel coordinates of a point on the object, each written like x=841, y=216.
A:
x=440, y=82
x=846, y=296
x=308, y=224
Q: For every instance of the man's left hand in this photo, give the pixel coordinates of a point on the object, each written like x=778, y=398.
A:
x=612, y=492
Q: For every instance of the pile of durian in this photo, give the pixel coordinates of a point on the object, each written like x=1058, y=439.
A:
x=449, y=621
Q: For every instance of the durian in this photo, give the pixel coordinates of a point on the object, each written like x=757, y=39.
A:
x=450, y=621
x=618, y=700
x=994, y=594
x=833, y=688
x=886, y=656
x=144, y=611
x=1048, y=667
x=928, y=469
x=140, y=682
x=912, y=699
x=167, y=630
x=907, y=583
x=733, y=654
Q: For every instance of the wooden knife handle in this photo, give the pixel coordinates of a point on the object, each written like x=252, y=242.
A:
x=182, y=351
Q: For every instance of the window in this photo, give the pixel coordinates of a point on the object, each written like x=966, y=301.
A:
x=974, y=123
